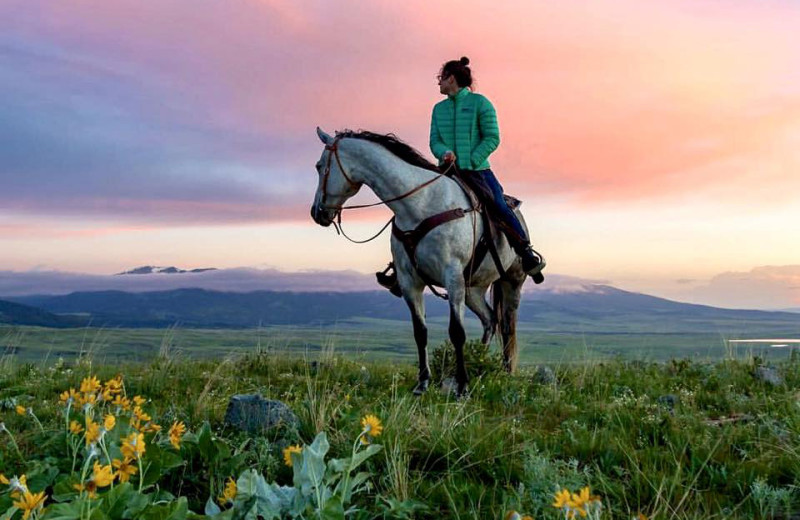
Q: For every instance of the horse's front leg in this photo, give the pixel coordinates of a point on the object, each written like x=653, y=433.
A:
x=416, y=304
x=458, y=336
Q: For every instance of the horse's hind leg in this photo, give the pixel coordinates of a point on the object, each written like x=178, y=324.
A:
x=416, y=304
x=506, y=297
x=476, y=302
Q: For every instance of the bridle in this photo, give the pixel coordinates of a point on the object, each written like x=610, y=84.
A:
x=333, y=148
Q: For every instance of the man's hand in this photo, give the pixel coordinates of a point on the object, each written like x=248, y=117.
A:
x=448, y=157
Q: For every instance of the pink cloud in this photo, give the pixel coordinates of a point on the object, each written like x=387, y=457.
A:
x=599, y=102
x=766, y=287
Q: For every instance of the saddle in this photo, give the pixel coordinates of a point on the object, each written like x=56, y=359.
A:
x=485, y=244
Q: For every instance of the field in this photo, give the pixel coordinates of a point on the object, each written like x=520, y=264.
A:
x=372, y=339
x=699, y=436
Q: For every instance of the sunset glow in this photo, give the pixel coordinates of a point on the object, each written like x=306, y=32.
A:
x=656, y=144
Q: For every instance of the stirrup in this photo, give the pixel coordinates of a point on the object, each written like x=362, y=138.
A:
x=389, y=280
x=535, y=272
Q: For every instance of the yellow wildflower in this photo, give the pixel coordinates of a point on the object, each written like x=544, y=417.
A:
x=109, y=422
x=287, y=454
x=562, y=499
x=102, y=475
x=113, y=386
x=133, y=446
x=68, y=395
x=75, y=427
x=3, y=479
x=18, y=485
x=229, y=493
x=106, y=395
x=89, y=385
x=21, y=410
x=30, y=502
x=176, y=432
x=92, y=431
x=151, y=427
x=584, y=497
x=141, y=415
x=372, y=428
x=124, y=469
x=122, y=401
x=83, y=399
x=138, y=400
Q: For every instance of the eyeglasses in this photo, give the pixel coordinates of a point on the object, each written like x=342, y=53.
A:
x=440, y=77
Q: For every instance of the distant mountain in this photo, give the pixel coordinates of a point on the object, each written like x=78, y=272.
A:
x=589, y=308
x=151, y=269
x=18, y=314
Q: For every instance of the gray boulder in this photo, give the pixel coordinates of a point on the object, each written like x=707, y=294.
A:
x=769, y=375
x=669, y=401
x=254, y=414
x=544, y=375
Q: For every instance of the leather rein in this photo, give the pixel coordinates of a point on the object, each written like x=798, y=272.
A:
x=337, y=223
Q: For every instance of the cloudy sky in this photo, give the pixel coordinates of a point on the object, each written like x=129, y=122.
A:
x=656, y=144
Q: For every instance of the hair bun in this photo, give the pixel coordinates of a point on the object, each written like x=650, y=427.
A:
x=464, y=61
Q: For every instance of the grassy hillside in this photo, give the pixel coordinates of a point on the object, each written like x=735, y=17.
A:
x=681, y=439
x=381, y=339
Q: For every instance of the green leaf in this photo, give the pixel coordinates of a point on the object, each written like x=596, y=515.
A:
x=64, y=490
x=136, y=504
x=9, y=513
x=68, y=511
x=333, y=510
x=364, y=454
x=99, y=514
x=170, y=460
x=206, y=443
x=115, y=501
x=212, y=509
x=270, y=500
x=179, y=509
x=310, y=472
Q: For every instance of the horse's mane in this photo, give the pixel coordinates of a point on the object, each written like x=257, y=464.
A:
x=394, y=145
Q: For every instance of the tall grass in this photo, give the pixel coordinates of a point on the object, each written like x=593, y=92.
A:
x=678, y=440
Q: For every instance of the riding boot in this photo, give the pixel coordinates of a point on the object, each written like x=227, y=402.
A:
x=532, y=263
x=389, y=280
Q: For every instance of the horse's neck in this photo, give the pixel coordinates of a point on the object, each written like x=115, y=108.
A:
x=390, y=177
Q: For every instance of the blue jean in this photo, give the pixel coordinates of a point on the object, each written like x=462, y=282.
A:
x=490, y=193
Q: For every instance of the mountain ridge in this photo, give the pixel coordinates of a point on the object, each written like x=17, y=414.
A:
x=601, y=309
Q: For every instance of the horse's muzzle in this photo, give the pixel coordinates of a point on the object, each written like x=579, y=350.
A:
x=321, y=216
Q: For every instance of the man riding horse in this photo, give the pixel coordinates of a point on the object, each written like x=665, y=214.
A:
x=464, y=133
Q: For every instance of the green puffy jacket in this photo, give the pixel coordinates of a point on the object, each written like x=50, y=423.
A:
x=465, y=124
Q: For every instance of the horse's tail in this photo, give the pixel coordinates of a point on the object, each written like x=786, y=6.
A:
x=505, y=302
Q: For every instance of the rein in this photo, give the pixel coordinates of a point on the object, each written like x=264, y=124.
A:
x=337, y=224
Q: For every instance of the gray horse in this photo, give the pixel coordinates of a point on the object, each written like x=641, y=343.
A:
x=415, y=190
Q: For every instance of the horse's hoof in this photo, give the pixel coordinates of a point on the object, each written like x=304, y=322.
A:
x=421, y=387
x=462, y=393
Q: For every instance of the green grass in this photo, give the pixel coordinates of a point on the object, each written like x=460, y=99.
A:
x=726, y=448
x=367, y=339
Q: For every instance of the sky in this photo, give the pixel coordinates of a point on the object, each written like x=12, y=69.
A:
x=656, y=144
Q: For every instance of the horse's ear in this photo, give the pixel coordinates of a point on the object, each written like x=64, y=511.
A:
x=325, y=138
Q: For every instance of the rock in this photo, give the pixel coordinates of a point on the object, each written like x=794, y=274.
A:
x=669, y=400
x=254, y=414
x=768, y=375
x=544, y=375
x=449, y=386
